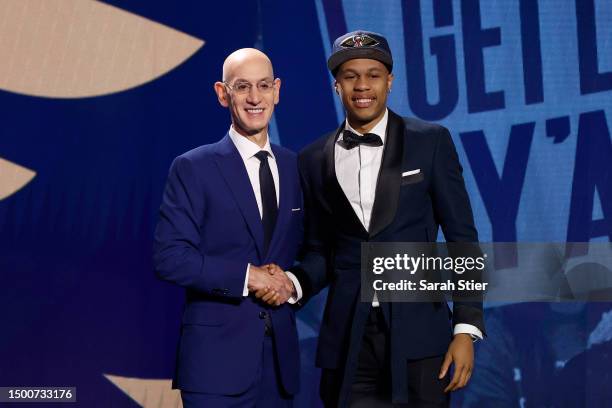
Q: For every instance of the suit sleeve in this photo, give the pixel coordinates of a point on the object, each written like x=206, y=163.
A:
x=453, y=213
x=312, y=270
x=177, y=256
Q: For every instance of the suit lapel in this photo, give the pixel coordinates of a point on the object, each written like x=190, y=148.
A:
x=389, y=176
x=232, y=168
x=283, y=198
x=341, y=207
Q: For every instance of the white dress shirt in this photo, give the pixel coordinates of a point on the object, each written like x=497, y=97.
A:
x=359, y=187
x=357, y=170
x=247, y=150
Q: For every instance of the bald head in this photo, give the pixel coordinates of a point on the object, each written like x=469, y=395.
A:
x=250, y=92
x=246, y=57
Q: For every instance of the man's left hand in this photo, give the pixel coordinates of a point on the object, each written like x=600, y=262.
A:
x=461, y=354
x=276, y=297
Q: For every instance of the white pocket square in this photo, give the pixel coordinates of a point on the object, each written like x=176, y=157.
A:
x=411, y=172
x=295, y=209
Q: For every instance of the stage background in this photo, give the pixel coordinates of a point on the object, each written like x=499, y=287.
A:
x=98, y=98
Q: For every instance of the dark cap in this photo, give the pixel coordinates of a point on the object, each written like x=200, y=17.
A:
x=360, y=44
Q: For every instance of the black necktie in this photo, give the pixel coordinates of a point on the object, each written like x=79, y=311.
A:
x=268, y=198
x=351, y=139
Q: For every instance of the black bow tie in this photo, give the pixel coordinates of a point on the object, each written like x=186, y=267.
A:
x=351, y=139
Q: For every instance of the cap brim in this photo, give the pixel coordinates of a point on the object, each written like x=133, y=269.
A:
x=340, y=57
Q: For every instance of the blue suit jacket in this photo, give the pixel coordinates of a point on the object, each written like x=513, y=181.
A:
x=209, y=230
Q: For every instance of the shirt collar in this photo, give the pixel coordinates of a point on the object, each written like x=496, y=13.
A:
x=247, y=148
x=379, y=129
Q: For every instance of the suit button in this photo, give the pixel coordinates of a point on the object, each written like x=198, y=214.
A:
x=262, y=315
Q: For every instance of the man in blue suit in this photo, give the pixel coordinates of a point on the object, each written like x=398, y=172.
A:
x=229, y=208
x=382, y=178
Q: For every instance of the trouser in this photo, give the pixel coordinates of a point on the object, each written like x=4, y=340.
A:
x=371, y=386
x=266, y=392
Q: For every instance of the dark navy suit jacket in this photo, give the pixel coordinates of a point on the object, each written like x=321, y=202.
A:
x=209, y=230
x=408, y=209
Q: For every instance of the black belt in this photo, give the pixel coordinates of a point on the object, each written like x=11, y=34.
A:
x=265, y=316
x=377, y=318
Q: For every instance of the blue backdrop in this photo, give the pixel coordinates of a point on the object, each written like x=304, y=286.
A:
x=525, y=86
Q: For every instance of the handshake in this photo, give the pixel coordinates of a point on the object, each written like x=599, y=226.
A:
x=270, y=284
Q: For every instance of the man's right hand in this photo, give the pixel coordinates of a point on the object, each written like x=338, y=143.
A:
x=270, y=284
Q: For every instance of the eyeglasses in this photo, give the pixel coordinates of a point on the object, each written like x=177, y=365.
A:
x=244, y=87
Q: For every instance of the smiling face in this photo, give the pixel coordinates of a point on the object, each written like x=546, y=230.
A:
x=363, y=85
x=250, y=70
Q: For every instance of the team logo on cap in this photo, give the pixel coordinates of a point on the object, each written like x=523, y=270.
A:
x=359, y=40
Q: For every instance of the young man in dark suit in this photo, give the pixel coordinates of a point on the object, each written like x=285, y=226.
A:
x=382, y=178
x=228, y=208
